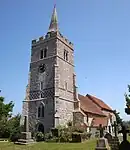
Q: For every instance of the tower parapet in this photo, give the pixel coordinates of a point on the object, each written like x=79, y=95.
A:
x=51, y=35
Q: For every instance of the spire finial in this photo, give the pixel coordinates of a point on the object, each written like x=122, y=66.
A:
x=54, y=20
x=54, y=3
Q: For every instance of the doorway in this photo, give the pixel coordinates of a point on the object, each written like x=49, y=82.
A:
x=41, y=128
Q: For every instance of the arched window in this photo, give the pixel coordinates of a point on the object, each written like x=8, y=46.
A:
x=41, y=111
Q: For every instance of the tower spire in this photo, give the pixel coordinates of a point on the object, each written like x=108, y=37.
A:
x=54, y=21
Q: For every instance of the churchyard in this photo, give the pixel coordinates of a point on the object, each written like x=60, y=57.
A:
x=16, y=137
x=88, y=145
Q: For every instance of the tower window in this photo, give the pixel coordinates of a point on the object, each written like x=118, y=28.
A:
x=41, y=111
x=41, y=85
x=65, y=55
x=45, y=52
x=41, y=54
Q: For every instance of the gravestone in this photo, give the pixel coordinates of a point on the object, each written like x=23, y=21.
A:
x=125, y=145
x=25, y=135
x=108, y=136
x=101, y=130
x=102, y=143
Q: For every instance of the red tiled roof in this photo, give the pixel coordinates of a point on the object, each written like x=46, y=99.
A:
x=99, y=102
x=87, y=105
x=100, y=120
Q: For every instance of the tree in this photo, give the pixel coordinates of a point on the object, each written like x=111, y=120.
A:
x=127, y=97
x=5, y=114
x=14, y=127
x=118, y=118
x=5, y=109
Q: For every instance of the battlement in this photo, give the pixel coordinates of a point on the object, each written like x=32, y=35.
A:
x=51, y=35
x=35, y=41
x=65, y=39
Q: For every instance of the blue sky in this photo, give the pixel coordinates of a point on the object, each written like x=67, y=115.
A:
x=99, y=29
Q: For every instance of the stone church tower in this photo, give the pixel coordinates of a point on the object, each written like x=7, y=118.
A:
x=50, y=92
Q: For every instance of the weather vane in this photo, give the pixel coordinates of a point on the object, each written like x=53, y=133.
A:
x=54, y=3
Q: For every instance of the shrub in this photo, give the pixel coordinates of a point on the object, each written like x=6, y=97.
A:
x=55, y=132
x=76, y=137
x=39, y=136
x=85, y=135
x=15, y=135
x=48, y=136
x=54, y=139
x=97, y=134
x=79, y=137
x=78, y=129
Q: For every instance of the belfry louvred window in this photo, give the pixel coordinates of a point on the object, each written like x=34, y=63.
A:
x=43, y=53
x=65, y=55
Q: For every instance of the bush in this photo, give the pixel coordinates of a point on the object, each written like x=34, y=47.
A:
x=55, y=132
x=54, y=139
x=76, y=137
x=48, y=136
x=78, y=129
x=39, y=136
x=15, y=135
x=97, y=134
x=85, y=135
x=79, y=137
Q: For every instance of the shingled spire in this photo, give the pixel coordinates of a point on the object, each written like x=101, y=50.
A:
x=54, y=21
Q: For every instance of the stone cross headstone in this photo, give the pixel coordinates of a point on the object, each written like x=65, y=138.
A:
x=26, y=137
x=125, y=145
x=124, y=131
x=108, y=136
x=26, y=129
x=101, y=130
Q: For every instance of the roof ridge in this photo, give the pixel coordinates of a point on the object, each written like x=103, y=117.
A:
x=94, y=99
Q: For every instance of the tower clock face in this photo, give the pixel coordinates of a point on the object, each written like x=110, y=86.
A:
x=42, y=68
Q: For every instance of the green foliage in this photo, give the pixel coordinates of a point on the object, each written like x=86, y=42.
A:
x=53, y=140
x=65, y=134
x=4, y=130
x=78, y=129
x=48, y=136
x=127, y=97
x=97, y=134
x=5, y=109
x=14, y=128
x=118, y=118
x=9, y=126
x=14, y=135
x=5, y=115
x=39, y=136
x=79, y=137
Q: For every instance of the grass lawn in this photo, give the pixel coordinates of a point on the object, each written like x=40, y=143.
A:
x=89, y=145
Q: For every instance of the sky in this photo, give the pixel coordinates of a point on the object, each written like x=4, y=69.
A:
x=99, y=29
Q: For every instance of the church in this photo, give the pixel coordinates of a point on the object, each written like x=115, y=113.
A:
x=52, y=97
